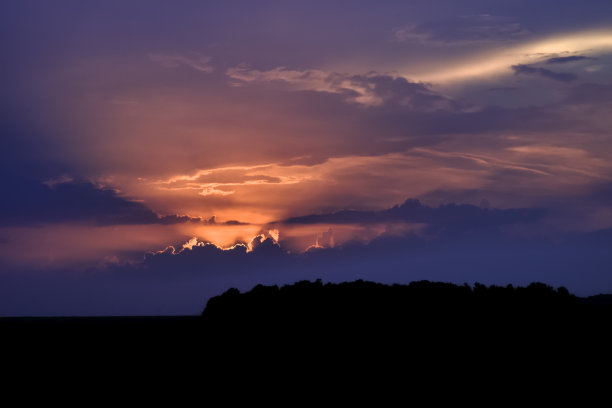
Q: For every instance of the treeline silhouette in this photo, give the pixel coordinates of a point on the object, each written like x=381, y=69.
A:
x=426, y=310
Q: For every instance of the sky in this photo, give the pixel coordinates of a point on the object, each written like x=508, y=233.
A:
x=156, y=153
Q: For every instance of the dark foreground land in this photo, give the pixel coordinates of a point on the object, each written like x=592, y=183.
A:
x=363, y=323
x=367, y=309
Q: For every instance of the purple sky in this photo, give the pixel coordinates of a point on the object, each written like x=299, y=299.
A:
x=155, y=153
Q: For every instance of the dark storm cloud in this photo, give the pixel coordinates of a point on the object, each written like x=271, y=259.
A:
x=27, y=202
x=206, y=257
x=449, y=216
x=563, y=60
x=522, y=69
x=415, y=96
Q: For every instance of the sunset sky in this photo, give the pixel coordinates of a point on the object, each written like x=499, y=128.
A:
x=156, y=153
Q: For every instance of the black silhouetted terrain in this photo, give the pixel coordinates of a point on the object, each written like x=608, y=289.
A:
x=360, y=323
x=435, y=306
x=423, y=327
x=359, y=305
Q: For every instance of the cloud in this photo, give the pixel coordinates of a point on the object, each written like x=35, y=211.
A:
x=222, y=181
x=522, y=69
x=369, y=89
x=179, y=282
x=449, y=216
x=466, y=30
x=312, y=79
x=57, y=201
x=563, y=60
x=205, y=255
x=323, y=240
x=496, y=60
x=196, y=61
x=399, y=153
x=355, y=130
x=354, y=88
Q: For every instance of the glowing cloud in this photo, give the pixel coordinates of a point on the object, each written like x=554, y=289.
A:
x=499, y=62
x=311, y=80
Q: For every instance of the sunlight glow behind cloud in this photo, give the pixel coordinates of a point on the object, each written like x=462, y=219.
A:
x=498, y=62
